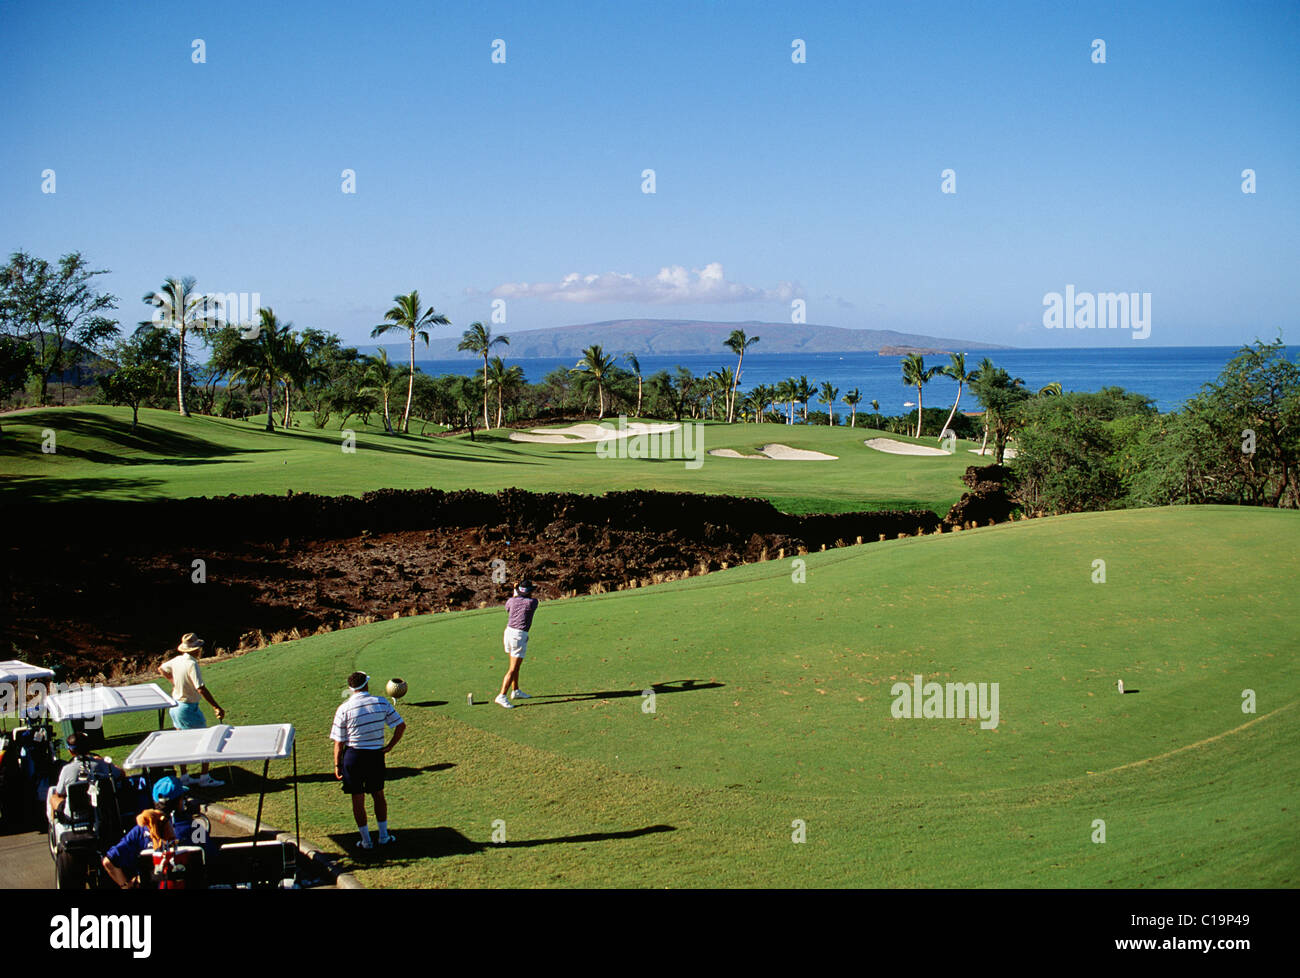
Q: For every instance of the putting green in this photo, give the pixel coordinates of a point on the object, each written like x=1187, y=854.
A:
x=773, y=711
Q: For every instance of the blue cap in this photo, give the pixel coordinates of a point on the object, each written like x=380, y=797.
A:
x=167, y=789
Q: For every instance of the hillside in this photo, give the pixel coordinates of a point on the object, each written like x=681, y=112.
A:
x=773, y=702
x=668, y=337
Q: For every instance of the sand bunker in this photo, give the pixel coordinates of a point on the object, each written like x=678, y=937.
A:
x=585, y=434
x=1009, y=453
x=901, y=447
x=783, y=453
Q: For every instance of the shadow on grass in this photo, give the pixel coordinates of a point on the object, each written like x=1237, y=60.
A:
x=158, y=446
x=53, y=489
x=660, y=689
x=412, y=845
x=241, y=781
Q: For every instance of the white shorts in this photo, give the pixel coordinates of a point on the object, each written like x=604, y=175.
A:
x=516, y=643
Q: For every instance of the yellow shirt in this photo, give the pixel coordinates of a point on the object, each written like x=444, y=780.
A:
x=186, y=678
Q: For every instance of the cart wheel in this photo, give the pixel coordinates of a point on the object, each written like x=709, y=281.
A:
x=69, y=872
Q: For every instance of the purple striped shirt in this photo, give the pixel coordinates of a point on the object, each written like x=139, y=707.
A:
x=520, y=612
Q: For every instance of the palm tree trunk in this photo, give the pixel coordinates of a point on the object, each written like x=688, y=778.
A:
x=498, y=405
x=638, y=395
x=288, y=395
x=735, y=386
x=918, y=410
x=410, y=389
x=270, y=405
x=486, y=423
x=985, y=442
x=853, y=418
x=180, y=376
x=952, y=412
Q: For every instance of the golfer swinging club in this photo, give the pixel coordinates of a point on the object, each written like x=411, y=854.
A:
x=519, y=611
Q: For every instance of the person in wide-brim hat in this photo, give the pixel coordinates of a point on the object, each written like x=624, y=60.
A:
x=187, y=688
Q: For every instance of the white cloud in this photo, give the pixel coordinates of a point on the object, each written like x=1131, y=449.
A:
x=673, y=284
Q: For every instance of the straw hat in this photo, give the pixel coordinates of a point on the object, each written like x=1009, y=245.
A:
x=190, y=643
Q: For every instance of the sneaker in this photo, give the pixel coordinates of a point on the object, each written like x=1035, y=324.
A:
x=502, y=701
x=519, y=694
x=364, y=845
x=388, y=841
x=208, y=781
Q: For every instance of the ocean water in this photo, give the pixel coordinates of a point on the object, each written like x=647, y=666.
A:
x=1167, y=375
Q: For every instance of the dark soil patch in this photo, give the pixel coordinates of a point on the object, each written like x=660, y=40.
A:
x=107, y=588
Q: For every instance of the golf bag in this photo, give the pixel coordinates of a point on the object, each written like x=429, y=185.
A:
x=28, y=766
x=99, y=809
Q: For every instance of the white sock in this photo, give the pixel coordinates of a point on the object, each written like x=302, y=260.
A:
x=383, y=831
x=365, y=833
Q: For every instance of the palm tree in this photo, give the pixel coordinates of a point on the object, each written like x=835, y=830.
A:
x=984, y=369
x=737, y=343
x=803, y=393
x=785, y=392
x=957, y=371
x=183, y=309
x=505, y=380
x=916, y=375
x=406, y=317
x=261, y=362
x=828, y=396
x=875, y=405
x=479, y=339
x=595, y=363
x=297, y=367
x=635, y=364
x=853, y=398
x=380, y=379
x=721, y=383
x=762, y=395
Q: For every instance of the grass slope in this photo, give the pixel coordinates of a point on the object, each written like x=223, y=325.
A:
x=97, y=455
x=788, y=717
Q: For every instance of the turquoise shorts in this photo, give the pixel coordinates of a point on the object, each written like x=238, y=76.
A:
x=187, y=716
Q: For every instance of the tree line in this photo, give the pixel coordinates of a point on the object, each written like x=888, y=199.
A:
x=1237, y=441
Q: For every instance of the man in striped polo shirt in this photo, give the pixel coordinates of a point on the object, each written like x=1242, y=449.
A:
x=358, y=735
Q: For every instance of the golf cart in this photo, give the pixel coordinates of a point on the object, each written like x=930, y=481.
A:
x=28, y=753
x=100, y=805
x=255, y=864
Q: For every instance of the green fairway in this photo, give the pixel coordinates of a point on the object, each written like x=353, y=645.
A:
x=773, y=704
x=97, y=455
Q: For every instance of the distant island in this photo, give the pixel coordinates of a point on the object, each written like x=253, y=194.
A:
x=905, y=351
x=674, y=337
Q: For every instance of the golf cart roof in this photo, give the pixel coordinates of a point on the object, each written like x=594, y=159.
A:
x=218, y=744
x=95, y=701
x=13, y=671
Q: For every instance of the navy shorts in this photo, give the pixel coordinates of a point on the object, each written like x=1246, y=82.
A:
x=363, y=771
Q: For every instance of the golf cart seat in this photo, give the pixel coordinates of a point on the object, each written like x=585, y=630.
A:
x=177, y=867
x=259, y=865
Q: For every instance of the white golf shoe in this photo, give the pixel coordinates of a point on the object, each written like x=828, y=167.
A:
x=519, y=694
x=502, y=701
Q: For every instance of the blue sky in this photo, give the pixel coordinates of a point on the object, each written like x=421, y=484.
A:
x=774, y=180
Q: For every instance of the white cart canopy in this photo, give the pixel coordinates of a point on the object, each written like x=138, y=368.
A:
x=13, y=671
x=213, y=745
x=98, y=701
